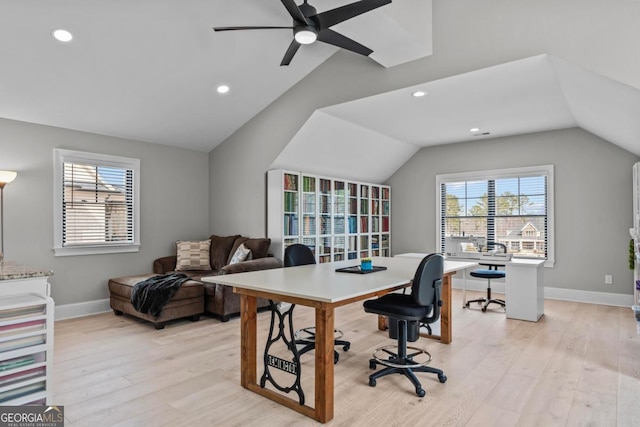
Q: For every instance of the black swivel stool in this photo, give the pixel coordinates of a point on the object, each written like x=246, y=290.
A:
x=491, y=273
x=299, y=254
x=406, y=313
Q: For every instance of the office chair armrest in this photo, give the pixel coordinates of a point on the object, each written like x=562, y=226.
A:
x=435, y=314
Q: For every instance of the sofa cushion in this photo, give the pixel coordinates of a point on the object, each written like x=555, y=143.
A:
x=198, y=274
x=123, y=286
x=259, y=247
x=221, y=250
x=193, y=255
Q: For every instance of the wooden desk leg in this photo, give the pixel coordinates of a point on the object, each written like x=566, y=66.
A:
x=248, y=340
x=324, y=363
x=383, y=324
x=445, y=311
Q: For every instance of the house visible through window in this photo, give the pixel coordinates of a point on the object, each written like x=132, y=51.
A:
x=512, y=207
x=96, y=203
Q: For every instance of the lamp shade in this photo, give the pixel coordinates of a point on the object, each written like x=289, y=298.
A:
x=7, y=176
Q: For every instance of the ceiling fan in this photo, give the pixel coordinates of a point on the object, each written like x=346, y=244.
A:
x=309, y=25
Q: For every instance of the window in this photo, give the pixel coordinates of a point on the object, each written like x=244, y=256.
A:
x=513, y=207
x=96, y=203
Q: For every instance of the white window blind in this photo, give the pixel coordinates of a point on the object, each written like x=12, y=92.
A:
x=96, y=200
x=513, y=207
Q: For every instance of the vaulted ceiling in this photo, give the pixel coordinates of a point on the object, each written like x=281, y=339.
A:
x=148, y=69
x=535, y=94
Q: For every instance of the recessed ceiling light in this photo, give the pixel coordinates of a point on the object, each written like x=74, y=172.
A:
x=62, y=35
x=419, y=93
x=223, y=89
x=474, y=130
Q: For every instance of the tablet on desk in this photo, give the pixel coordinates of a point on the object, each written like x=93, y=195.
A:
x=357, y=270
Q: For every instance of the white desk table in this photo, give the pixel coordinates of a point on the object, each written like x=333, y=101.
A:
x=524, y=285
x=321, y=287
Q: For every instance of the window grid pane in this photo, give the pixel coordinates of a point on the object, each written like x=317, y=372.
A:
x=512, y=211
x=97, y=205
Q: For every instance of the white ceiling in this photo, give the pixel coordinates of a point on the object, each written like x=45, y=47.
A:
x=148, y=69
x=530, y=95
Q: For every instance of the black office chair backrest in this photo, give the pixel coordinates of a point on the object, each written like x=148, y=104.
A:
x=427, y=284
x=298, y=254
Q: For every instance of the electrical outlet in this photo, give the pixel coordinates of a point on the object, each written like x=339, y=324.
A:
x=608, y=279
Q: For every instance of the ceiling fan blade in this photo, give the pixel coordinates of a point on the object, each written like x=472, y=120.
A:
x=288, y=56
x=337, y=39
x=340, y=14
x=295, y=11
x=247, y=28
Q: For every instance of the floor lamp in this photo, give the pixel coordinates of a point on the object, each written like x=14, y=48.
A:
x=5, y=178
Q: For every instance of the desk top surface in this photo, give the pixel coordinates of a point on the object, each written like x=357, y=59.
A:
x=524, y=262
x=320, y=282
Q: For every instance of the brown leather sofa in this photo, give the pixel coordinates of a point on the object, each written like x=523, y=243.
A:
x=195, y=297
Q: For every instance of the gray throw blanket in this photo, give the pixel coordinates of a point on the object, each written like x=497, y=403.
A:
x=152, y=294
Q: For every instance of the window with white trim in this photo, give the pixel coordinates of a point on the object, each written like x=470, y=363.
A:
x=513, y=207
x=96, y=203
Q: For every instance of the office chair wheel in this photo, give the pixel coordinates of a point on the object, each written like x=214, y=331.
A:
x=346, y=347
x=420, y=392
x=372, y=364
x=442, y=378
x=336, y=357
x=372, y=382
x=484, y=308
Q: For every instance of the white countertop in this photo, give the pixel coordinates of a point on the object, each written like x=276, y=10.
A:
x=11, y=271
x=320, y=282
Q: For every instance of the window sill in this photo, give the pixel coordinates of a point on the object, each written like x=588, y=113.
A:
x=95, y=250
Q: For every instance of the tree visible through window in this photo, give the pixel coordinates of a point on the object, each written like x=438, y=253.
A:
x=511, y=208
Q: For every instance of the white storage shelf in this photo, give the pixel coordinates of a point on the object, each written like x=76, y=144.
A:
x=26, y=349
x=337, y=218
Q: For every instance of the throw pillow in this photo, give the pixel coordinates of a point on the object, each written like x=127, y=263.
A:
x=241, y=254
x=259, y=247
x=193, y=255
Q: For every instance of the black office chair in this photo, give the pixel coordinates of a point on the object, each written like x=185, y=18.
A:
x=299, y=254
x=491, y=273
x=406, y=313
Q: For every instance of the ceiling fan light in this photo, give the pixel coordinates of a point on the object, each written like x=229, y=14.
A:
x=62, y=35
x=305, y=35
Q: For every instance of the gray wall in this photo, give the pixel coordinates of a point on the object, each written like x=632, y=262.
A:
x=466, y=36
x=174, y=199
x=592, y=195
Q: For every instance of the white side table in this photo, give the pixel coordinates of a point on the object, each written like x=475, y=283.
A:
x=524, y=289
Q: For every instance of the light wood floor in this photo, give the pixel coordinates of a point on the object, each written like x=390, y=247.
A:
x=578, y=366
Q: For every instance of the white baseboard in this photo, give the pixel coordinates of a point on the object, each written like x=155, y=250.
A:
x=69, y=311
x=563, y=294
x=591, y=297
